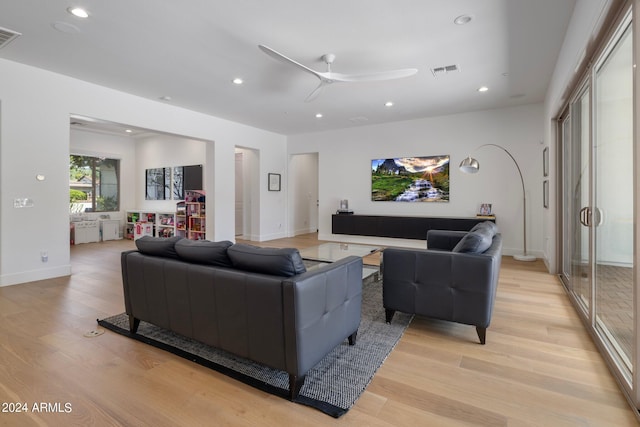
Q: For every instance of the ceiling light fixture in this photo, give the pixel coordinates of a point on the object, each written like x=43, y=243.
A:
x=318, y=115
x=78, y=12
x=237, y=81
x=483, y=89
x=388, y=104
x=128, y=130
x=165, y=98
x=462, y=20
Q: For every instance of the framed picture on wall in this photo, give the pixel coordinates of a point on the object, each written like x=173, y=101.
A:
x=274, y=182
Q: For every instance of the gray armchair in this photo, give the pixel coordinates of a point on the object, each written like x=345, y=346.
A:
x=455, y=279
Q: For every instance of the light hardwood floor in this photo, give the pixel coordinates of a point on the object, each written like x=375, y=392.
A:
x=538, y=368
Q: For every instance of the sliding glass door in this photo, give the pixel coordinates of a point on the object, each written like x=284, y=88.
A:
x=613, y=196
x=596, y=134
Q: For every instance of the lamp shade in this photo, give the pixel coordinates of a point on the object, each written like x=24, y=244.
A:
x=469, y=165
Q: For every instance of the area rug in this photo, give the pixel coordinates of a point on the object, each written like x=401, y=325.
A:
x=332, y=386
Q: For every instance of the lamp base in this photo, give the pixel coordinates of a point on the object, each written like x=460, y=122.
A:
x=523, y=257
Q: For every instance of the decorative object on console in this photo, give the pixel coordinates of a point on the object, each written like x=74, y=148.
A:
x=410, y=179
x=344, y=208
x=485, y=210
x=471, y=165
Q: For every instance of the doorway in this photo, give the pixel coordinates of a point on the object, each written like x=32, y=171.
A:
x=303, y=193
x=247, y=193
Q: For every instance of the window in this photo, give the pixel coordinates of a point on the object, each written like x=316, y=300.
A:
x=93, y=184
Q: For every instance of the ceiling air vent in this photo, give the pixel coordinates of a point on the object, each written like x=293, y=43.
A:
x=6, y=36
x=444, y=70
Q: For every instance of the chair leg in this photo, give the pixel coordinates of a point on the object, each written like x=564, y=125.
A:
x=389, y=314
x=295, y=384
x=133, y=324
x=352, y=338
x=482, y=334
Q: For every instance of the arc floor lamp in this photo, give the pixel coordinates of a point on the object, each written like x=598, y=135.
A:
x=471, y=165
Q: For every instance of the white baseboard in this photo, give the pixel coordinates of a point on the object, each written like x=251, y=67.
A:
x=32, y=276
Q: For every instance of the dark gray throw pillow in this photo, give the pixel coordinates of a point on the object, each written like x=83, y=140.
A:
x=475, y=242
x=275, y=261
x=486, y=225
x=158, y=246
x=204, y=252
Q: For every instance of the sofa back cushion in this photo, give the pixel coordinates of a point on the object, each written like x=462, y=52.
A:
x=158, y=246
x=285, y=262
x=204, y=252
x=475, y=242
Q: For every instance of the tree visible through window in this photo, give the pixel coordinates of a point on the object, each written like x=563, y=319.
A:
x=93, y=184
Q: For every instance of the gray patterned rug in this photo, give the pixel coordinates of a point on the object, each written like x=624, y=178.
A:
x=332, y=386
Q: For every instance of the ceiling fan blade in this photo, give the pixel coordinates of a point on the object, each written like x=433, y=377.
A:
x=370, y=77
x=317, y=91
x=280, y=57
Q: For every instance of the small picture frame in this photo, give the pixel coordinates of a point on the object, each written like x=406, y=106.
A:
x=274, y=182
x=485, y=209
x=545, y=194
x=545, y=162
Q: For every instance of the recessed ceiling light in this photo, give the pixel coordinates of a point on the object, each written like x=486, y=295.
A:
x=78, y=11
x=462, y=19
x=237, y=81
x=165, y=98
x=318, y=115
x=483, y=89
x=128, y=130
x=388, y=104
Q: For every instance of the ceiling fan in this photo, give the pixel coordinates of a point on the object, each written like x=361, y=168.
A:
x=330, y=77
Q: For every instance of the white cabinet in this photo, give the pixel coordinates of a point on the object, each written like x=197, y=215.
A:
x=110, y=229
x=86, y=232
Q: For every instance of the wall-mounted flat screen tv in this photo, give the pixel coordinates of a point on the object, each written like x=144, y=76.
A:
x=410, y=179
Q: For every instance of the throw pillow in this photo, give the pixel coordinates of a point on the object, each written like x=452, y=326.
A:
x=486, y=225
x=475, y=242
x=278, y=262
x=204, y=252
x=158, y=246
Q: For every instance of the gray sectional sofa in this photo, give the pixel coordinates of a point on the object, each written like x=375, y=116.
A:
x=454, y=279
x=257, y=303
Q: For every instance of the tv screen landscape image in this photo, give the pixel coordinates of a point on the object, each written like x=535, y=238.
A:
x=410, y=179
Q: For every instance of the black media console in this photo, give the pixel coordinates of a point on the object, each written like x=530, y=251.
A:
x=401, y=227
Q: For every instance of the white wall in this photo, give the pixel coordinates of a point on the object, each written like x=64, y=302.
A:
x=345, y=169
x=34, y=139
x=158, y=151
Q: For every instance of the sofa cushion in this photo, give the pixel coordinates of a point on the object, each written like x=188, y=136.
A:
x=204, y=252
x=475, y=242
x=275, y=261
x=486, y=225
x=158, y=246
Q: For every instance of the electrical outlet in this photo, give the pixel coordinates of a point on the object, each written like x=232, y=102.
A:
x=44, y=256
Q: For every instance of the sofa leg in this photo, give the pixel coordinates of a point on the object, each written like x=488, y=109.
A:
x=133, y=324
x=389, y=314
x=352, y=338
x=482, y=334
x=295, y=384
